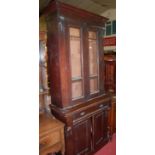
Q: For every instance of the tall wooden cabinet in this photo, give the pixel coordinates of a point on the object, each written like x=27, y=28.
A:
x=76, y=72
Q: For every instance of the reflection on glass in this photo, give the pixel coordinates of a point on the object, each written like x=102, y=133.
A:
x=93, y=85
x=75, y=57
x=93, y=57
x=74, y=32
x=93, y=62
x=76, y=63
x=92, y=35
x=77, y=89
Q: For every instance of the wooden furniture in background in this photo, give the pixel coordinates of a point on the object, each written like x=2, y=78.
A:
x=44, y=96
x=110, y=72
x=110, y=84
x=113, y=115
x=51, y=135
x=76, y=72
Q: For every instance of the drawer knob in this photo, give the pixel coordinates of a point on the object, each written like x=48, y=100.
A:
x=69, y=128
x=82, y=113
x=104, y=107
x=100, y=106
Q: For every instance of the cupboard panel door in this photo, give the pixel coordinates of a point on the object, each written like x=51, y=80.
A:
x=100, y=128
x=113, y=115
x=83, y=137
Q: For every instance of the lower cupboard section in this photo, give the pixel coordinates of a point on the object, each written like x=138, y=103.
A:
x=90, y=134
x=87, y=129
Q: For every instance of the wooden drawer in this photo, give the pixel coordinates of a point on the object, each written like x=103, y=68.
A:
x=49, y=140
x=90, y=110
x=103, y=106
x=82, y=113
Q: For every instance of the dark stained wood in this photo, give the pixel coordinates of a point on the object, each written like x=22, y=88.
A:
x=53, y=60
x=101, y=63
x=68, y=11
x=110, y=72
x=113, y=115
x=101, y=127
x=84, y=105
x=98, y=129
x=46, y=10
x=110, y=85
x=87, y=118
x=83, y=113
x=82, y=137
x=59, y=58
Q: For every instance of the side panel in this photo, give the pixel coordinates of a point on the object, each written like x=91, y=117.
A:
x=53, y=59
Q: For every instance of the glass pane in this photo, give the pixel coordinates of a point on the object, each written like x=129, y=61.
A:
x=75, y=57
x=93, y=85
x=74, y=32
x=77, y=89
x=92, y=35
x=93, y=66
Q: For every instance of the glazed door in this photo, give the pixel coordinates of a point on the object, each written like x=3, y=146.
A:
x=83, y=137
x=95, y=63
x=101, y=128
x=76, y=63
x=93, y=52
x=86, y=64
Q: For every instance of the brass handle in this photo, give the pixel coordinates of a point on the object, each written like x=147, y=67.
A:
x=69, y=129
x=101, y=106
x=82, y=113
x=104, y=107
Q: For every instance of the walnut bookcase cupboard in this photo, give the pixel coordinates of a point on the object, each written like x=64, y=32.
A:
x=76, y=74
